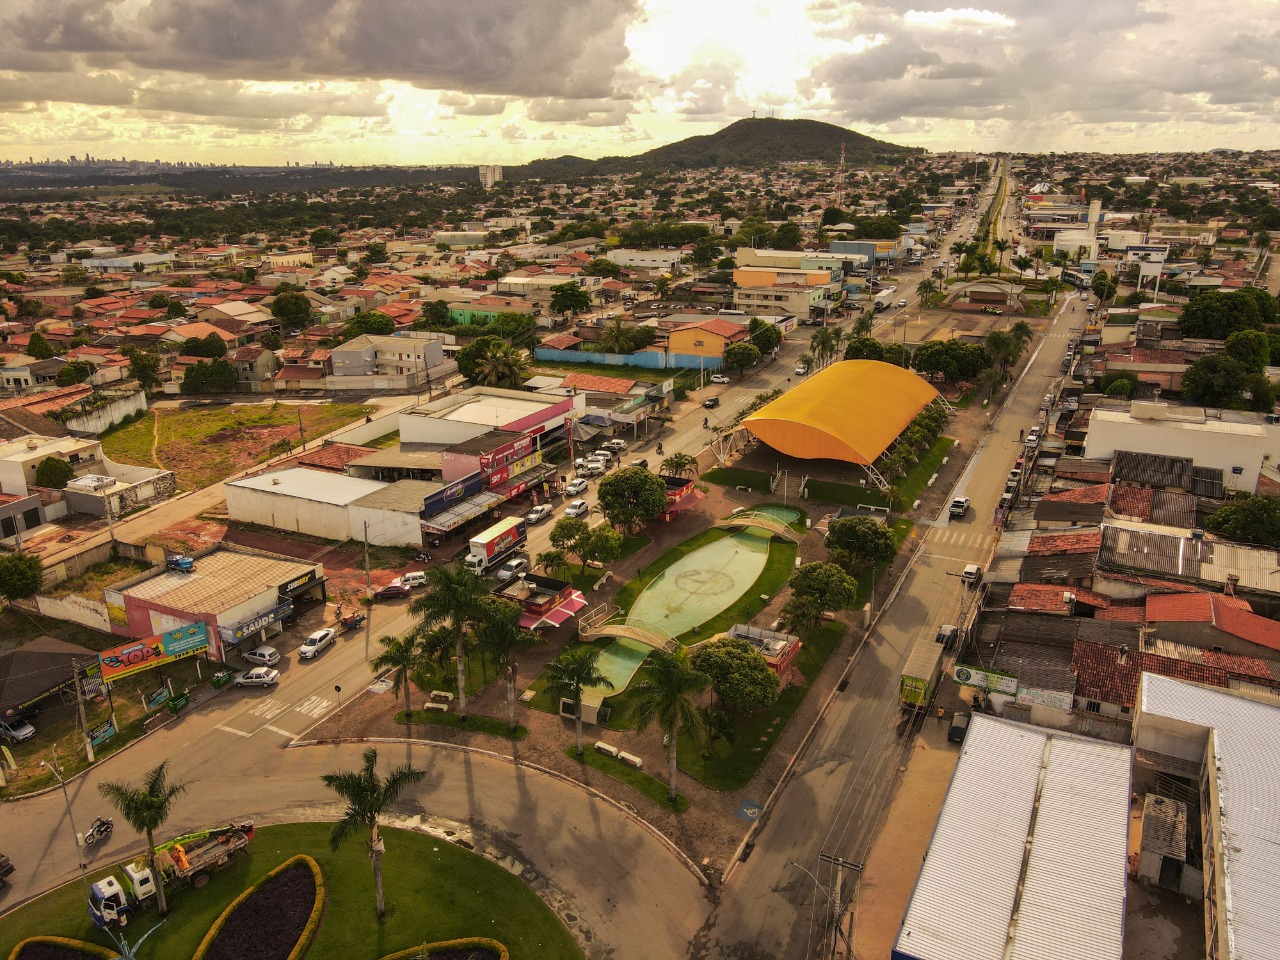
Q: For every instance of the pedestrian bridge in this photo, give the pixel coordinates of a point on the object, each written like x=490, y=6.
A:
x=760, y=520
x=602, y=622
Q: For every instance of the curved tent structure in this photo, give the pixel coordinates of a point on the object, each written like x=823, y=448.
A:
x=852, y=411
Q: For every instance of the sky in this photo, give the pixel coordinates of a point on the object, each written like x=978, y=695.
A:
x=507, y=81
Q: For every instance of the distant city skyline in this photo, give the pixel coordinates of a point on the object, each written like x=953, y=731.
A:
x=507, y=81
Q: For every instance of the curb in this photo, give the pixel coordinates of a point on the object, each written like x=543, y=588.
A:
x=554, y=774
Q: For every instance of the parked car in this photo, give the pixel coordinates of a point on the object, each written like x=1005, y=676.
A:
x=592, y=468
x=512, y=568
x=1033, y=437
x=264, y=656
x=392, y=591
x=414, y=578
x=617, y=443
x=579, y=508
x=719, y=378
x=258, y=677
x=15, y=730
x=312, y=646
x=640, y=462
x=711, y=402
x=971, y=574
x=959, y=506
x=576, y=487
x=958, y=728
x=607, y=454
x=801, y=370
x=539, y=513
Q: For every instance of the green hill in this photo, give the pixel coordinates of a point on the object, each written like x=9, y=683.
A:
x=755, y=142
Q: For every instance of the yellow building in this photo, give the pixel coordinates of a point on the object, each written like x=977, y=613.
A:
x=709, y=338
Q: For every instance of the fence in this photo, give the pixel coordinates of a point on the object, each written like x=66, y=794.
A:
x=100, y=418
x=649, y=359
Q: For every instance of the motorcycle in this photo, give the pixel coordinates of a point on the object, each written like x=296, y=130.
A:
x=423, y=555
x=434, y=541
x=99, y=830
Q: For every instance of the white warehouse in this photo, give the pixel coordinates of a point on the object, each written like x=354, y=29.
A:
x=662, y=260
x=299, y=501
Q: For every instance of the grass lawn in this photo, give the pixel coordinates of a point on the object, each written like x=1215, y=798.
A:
x=435, y=891
x=480, y=673
x=736, y=477
x=475, y=722
x=845, y=494
x=731, y=766
x=651, y=787
x=203, y=445
x=380, y=557
x=633, y=543
x=684, y=378
x=914, y=483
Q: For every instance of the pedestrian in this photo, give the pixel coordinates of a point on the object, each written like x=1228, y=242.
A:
x=942, y=715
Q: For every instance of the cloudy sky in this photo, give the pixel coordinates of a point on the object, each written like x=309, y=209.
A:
x=505, y=81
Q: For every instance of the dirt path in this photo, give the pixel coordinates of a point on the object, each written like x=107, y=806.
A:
x=155, y=438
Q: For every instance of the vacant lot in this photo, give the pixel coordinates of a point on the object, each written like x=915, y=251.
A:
x=208, y=444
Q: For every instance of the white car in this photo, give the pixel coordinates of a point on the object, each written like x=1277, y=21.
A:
x=579, y=508
x=576, y=487
x=539, y=513
x=719, y=378
x=258, y=677
x=315, y=643
x=592, y=468
x=616, y=443
x=263, y=656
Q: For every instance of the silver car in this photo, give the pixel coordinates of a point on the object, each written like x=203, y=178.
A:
x=264, y=656
x=258, y=677
x=15, y=730
x=315, y=643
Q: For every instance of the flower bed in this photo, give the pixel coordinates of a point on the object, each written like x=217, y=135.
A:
x=59, y=948
x=275, y=919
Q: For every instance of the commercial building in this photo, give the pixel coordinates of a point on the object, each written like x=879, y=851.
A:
x=99, y=484
x=241, y=595
x=661, y=261
x=545, y=601
x=1027, y=861
x=1224, y=742
x=777, y=290
x=477, y=410
x=298, y=501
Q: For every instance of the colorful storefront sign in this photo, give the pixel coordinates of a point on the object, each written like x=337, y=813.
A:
x=138, y=655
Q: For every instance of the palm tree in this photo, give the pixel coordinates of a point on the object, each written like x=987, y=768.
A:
x=1000, y=247
x=499, y=633
x=865, y=323
x=1053, y=286
x=716, y=726
x=1262, y=240
x=569, y=674
x=404, y=657
x=368, y=796
x=452, y=596
x=925, y=289
x=680, y=465
x=1023, y=263
x=837, y=341
x=552, y=559
x=661, y=286
x=666, y=695
x=806, y=360
x=616, y=338
x=502, y=365
x=146, y=809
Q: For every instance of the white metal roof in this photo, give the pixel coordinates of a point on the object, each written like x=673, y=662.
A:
x=316, y=485
x=1247, y=737
x=995, y=879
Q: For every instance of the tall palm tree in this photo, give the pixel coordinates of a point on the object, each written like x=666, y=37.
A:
x=925, y=289
x=1022, y=263
x=837, y=341
x=499, y=633
x=452, y=596
x=1000, y=247
x=865, y=323
x=666, y=695
x=502, y=365
x=569, y=674
x=368, y=796
x=146, y=808
x=680, y=465
x=404, y=657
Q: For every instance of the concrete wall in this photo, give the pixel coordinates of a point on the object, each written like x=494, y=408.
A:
x=386, y=527
x=89, y=613
x=363, y=433
x=97, y=420
x=649, y=359
x=325, y=520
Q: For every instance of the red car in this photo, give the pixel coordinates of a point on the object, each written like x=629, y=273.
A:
x=392, y=591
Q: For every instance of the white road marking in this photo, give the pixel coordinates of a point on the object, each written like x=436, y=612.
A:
x=238, y=733
x=269, y=708
x=283, y=733
x=313, y=707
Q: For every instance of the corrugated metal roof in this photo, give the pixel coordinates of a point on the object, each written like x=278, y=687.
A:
x=1061, y=895
x=1246, y=735
x=221, y=580
x=318, y=486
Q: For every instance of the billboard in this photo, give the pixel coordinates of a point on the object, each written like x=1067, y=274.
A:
x=988, y=680
x=138, y=655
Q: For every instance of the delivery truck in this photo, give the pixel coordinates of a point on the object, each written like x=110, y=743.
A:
x=920, y=675
x=491, y=547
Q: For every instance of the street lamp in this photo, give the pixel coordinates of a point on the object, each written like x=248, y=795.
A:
x=75, y=834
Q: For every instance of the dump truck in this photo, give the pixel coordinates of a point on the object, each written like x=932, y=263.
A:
x=489, y=548
x=920, y=675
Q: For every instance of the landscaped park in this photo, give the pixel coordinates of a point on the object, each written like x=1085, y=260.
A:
x=443, y=902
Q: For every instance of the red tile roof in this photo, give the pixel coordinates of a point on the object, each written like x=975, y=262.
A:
x=1097, y=493
x=594, y=384
x=1237, y=665
x=1053, y=598
x=1044, y=545
x=563, y=342
x=1132, y=501
x=1101, y=676
x=1129, y=613
x=721, y=328
x=1246, y=625
x=1231, y=615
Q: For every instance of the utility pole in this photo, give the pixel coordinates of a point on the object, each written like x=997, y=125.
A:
x=84, y=722
x=837, y=911
x=301, y=433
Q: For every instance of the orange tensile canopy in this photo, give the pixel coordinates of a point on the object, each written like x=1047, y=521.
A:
x=851, y=411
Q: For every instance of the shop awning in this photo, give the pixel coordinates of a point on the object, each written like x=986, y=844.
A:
x=557, y=616
x=685, y=502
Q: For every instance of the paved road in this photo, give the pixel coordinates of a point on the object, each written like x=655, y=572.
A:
x=843, y=779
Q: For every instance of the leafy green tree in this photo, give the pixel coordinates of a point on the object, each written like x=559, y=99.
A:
x=144, y=367
x=222, y=376
x=631, y=497
x=1216, y=380
x=826, y=584
x=375, y=253
x=551, y=561
x=572, y=536
x=1251, y=347
x=859, y=541
x=368, y=322
x=787, y=236
x=502, y=365
x=38, y=347
x=368, y=796
x=740, y=675
x=158, y=301
x=878, y=228
x=468, y=356
x=452, y=597
x=1247, y=518
x=147, y=808
x=1103, y=286
x=1215, y=315
x=802, y=614
x=705, y=252
x=741, y=356
x=570, y=674
x=603, y=545
x=21, y=574
x=665, y=695
x=567, y=298
x=175, y=310
x=77, y=371
x=661, y=287
x=833, y=215
x=602, y=267
x=499, y=634
x=436, y=313
x=73, y=274
x=270, y=340
x=765, y=336
x=864, y=348
x=292, y=309
x=324, y=237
